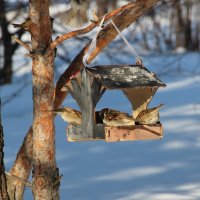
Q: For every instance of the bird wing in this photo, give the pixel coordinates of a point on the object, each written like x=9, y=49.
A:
x=119, y=116
x=62, y=109
x=77, y=113
x=147, y=111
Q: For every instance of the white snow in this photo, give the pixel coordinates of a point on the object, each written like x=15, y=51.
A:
x=180, y=50
x=166, y=169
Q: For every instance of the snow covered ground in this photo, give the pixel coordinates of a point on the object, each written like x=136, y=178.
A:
x=166, y=169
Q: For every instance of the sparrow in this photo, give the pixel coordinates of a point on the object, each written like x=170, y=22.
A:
x=69, y=115
x=116, y=118
x=25, y=25
x=149, y=116
x=76, y=16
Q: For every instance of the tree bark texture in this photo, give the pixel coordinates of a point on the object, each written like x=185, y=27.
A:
x=16, y=186
x=45, y=172
x=122, y=20
x=3, y=185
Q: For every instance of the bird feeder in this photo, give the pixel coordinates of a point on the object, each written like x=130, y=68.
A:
x=136, y=82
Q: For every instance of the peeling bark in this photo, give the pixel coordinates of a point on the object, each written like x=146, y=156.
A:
x=22, y=170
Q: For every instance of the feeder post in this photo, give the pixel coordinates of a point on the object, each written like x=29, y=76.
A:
x=87, y=92
x=87, y=107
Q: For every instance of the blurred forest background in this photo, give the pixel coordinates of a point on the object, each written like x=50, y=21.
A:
x=171, y=27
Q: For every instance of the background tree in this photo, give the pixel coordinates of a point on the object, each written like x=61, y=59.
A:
x=3, y=183
x=9, y=47
x=182, y=17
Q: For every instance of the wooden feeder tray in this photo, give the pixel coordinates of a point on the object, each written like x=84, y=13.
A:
x=137, y=132
x=136, y=82
x=117, y=134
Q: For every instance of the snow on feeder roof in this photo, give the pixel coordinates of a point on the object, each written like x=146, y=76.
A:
x=124, y=76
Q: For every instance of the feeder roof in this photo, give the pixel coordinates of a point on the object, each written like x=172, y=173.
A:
x=125, y=76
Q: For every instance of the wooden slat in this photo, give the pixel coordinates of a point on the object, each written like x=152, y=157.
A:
x=74, y=133
x=87, y=91
x=87, y=106
x=137, y=132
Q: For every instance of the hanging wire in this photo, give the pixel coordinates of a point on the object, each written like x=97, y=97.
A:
x=132, y=50
x=94, y=41
x=93, y=44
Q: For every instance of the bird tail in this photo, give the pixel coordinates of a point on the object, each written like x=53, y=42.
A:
x=55, y=111
x=160, y=105
x=18, y=25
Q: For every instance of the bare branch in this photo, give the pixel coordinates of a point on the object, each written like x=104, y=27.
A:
x=75, y=33
x=13, y=177
x=26, y=46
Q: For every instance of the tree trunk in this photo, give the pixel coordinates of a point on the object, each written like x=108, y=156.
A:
x=6, y=71
x=45, y=171
x=21, y=169
x=102, y=7
x=180, y=35
x=197, y=38
x=3, y=185
x=188, y=27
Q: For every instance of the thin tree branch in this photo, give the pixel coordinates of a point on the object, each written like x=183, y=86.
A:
x=26, y=46
x=75, y=33
x=13, y=177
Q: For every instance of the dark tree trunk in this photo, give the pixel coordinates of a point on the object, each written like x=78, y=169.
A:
x=3, y=185
x=6, y=70
x=180, y=35
x=197, y=38
x=102, y=7
x=188, y=28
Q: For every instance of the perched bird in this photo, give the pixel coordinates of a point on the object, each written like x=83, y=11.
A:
x=69, y=115
x=116, y=118
x=149, y=116
x=76, y=16
x=25, y=25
